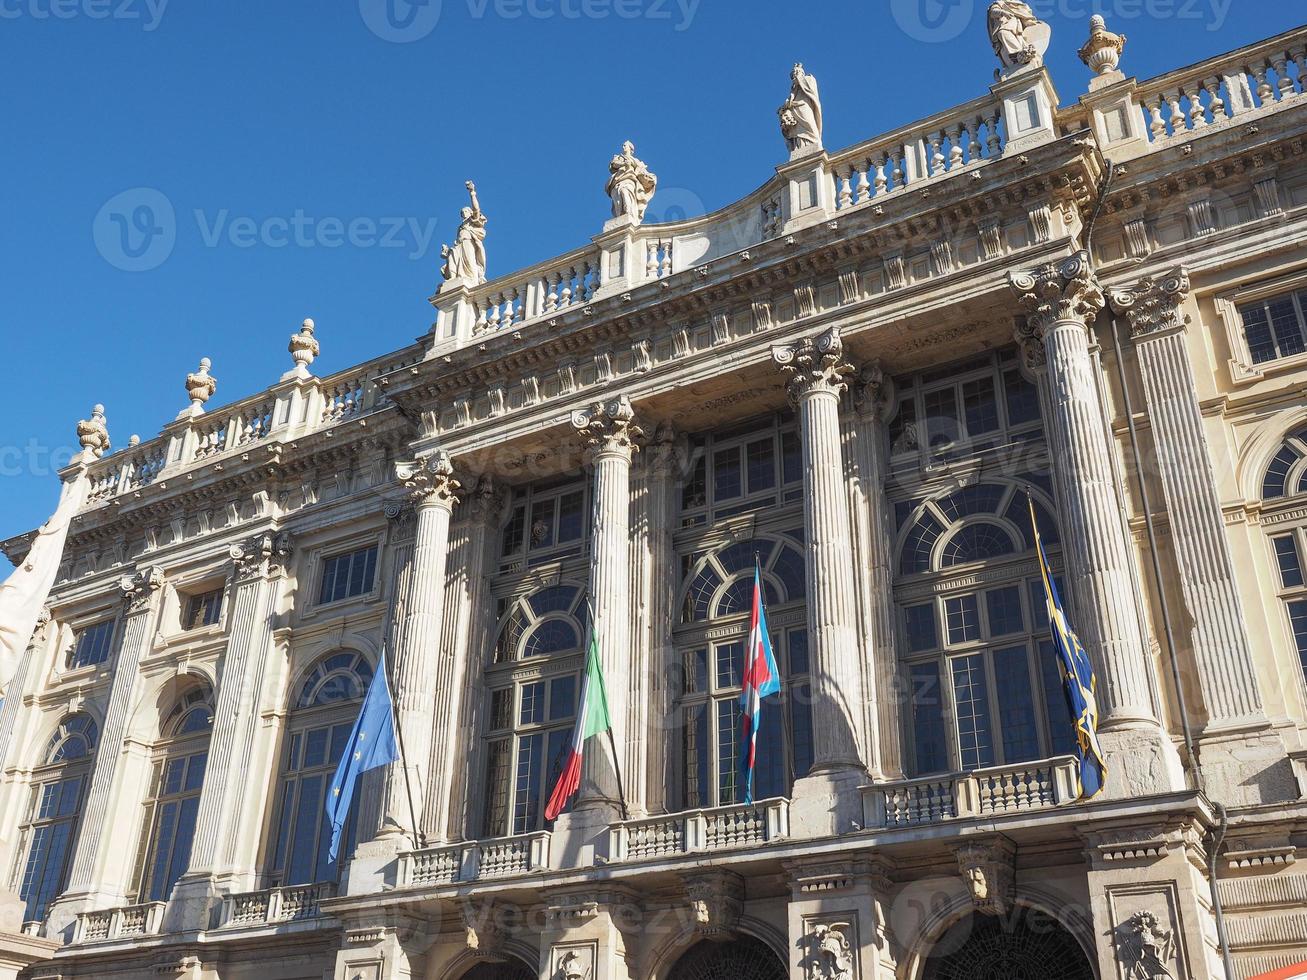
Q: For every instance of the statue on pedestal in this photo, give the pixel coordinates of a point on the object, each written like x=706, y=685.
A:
x=631, y=185
x=1019, y=37
x=465, y=260
x=800, y=115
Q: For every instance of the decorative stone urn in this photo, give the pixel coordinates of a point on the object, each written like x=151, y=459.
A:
x=1102, y=52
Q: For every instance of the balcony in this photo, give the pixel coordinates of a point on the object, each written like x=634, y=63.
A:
x=716, y=829
x=500, y=857
x=981, y=793
x=105, y=925
x=274, y=906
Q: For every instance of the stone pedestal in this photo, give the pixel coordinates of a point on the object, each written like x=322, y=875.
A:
x=809, y=195
x=837, y=924
x=1029, y=102
x=584, y=937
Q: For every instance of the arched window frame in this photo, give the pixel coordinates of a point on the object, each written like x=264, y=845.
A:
x=1284, y=487
x=58, y=795
x=179, y=763
x=325, y=701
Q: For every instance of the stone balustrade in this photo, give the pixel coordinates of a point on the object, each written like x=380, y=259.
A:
x=982, y=792
x=105, y=925
x=272, y=906
x=714, y=829
x=499, y=857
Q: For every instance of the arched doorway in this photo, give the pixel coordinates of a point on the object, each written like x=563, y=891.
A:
x=511, y=970
x=742, y=959
x=1031, y=945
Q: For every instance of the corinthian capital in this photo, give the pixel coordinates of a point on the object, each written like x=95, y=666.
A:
x=609, y=426
x=814, y=365
x=1152, y=306
x=261, y=553
x=140, y=588
x=430, y=479
x=1066, y=290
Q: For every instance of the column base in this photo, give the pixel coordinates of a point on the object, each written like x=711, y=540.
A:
x=581, y=836
x=1247, y=767
x=827, y=803
x=194, y=898
x=375, y=864
x=63, y=912
x=1141, y=761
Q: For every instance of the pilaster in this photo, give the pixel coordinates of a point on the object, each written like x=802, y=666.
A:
x=585, y=934
x=838, y=924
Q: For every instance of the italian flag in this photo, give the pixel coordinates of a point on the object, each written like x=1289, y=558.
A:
x=591, y=720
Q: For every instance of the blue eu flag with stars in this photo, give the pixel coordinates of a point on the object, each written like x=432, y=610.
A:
x=371, y=744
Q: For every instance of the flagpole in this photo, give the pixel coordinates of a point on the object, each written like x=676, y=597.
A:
x=403, y=753
x=612, y=742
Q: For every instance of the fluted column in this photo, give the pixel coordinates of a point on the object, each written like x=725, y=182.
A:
x=610, y=430
x=422, y=667
x=231, y=803
x=817, y=375
x=91, y=883
x=1061, y=301
x=873, y=534
x=1215, y=615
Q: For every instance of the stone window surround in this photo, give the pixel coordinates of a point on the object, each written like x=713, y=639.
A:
x=1287, y=516
x=1242, y=370
x=306, y=597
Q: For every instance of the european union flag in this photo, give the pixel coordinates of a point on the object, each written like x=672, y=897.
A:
x=1077, y=678
x=371, y=744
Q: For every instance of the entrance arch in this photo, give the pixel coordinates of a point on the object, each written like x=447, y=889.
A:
x=741, y=959
x=1029, y=945
x=511, y=970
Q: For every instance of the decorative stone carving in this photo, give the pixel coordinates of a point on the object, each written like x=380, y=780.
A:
x=574, y=965
x=465, y=260
x=814, y=364
x=140, y=588
x=800, y=114
x=1019, y=37
x=1066, y=290
x=1152, y=306
x=609, y=426
x=1144, y=947
x=1102, y=52
x=830, y=954
x=93, y=433
x=304, y=349
x=988, y=868
x=875, y=396
x=200, y=386
x=716, y=901
x=631, y=185
x=429, y=479
x=486, y=501
x=261, y=553
x=485, y=927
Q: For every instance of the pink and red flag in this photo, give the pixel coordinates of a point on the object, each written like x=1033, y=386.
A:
x=761, y=678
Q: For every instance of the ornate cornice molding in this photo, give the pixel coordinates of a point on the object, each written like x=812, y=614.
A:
x=430, y=480
x=814, y=365
x=1152, y=305
x=609, y=427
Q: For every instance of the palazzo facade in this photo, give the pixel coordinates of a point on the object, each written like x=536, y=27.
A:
x=854, y=377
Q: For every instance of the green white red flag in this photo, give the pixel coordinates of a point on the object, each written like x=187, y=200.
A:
x=592, y=719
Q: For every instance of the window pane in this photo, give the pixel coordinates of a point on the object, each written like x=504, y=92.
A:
x=533, y=704
x=941, y=417
x=694, y=755
x=1016, y=705
x=971, y=700
x=1257, y=330
x=726, y=474
x=526, y=792
x=761, y=457
x=928, y=737
x=560, y=746
x=1022, y=398
x=1005, y=616
x=769, y=761
x=791, y=458
x=562, y=697
x=1286, y=553
x=798, y=640
x=963, y=618
x=976, y=542
x=542, y=523
x=980, y=405
x=301, y=866
x=730, y=665
x=922, y=634
x=501, y=709
x=1298, y=622
x=496, y=788
x=903, y=427
x=514, y=530
x=695, y=492
x=696, y=671
x=728, y=751
x=801, y=722
x=1285, y=326
x=571, y=516
x=1062, y=737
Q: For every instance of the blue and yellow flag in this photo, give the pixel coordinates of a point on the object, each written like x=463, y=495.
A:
x=1078, y=680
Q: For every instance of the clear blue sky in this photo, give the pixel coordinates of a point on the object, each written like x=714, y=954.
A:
x=263, y=114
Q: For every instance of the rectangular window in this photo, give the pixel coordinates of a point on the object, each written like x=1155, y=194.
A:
x=1005, y=616
x=929, y=739
x=920, y=624
x=91, y=646
x=571, y=516
x=203, y=610
x=1022, y=398
x=348, y=575
x=903, y=427
x=533, y=704
x=1061, y=729
x=530, y=751
x=971, y=700
x=728, y=751
x=1016, y=705
x=726, y=474
x=941, y=417
x=1274, y=327
x=761, y=459
x=963, y=618
x=1286, y=553
x=1298, y=622
x=980, y=405
x=498, y=753
x=730, y=665
x=694, y=494
x=514, y=531
x=695, y=757
x=791, y=458
x=54, y=813
x=801, y=720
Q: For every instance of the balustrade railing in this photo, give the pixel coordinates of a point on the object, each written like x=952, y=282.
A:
x=271, y=906
x=715, y=829
x=499, y=857
x=120, y=923
x=983, y=792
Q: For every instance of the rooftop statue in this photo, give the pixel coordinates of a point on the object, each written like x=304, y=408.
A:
x=631, y=185
x=1019, y=37
x=465, y=260
x=801, y=114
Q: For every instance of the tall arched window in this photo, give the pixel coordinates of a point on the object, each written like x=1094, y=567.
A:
x=974, y=636
x=58, y=792
x=1284, y=484
x=716, y=606
x=533, y=687
x=169, y=827
x=324, y=706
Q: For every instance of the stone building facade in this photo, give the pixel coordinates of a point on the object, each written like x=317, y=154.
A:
x=853, y=377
